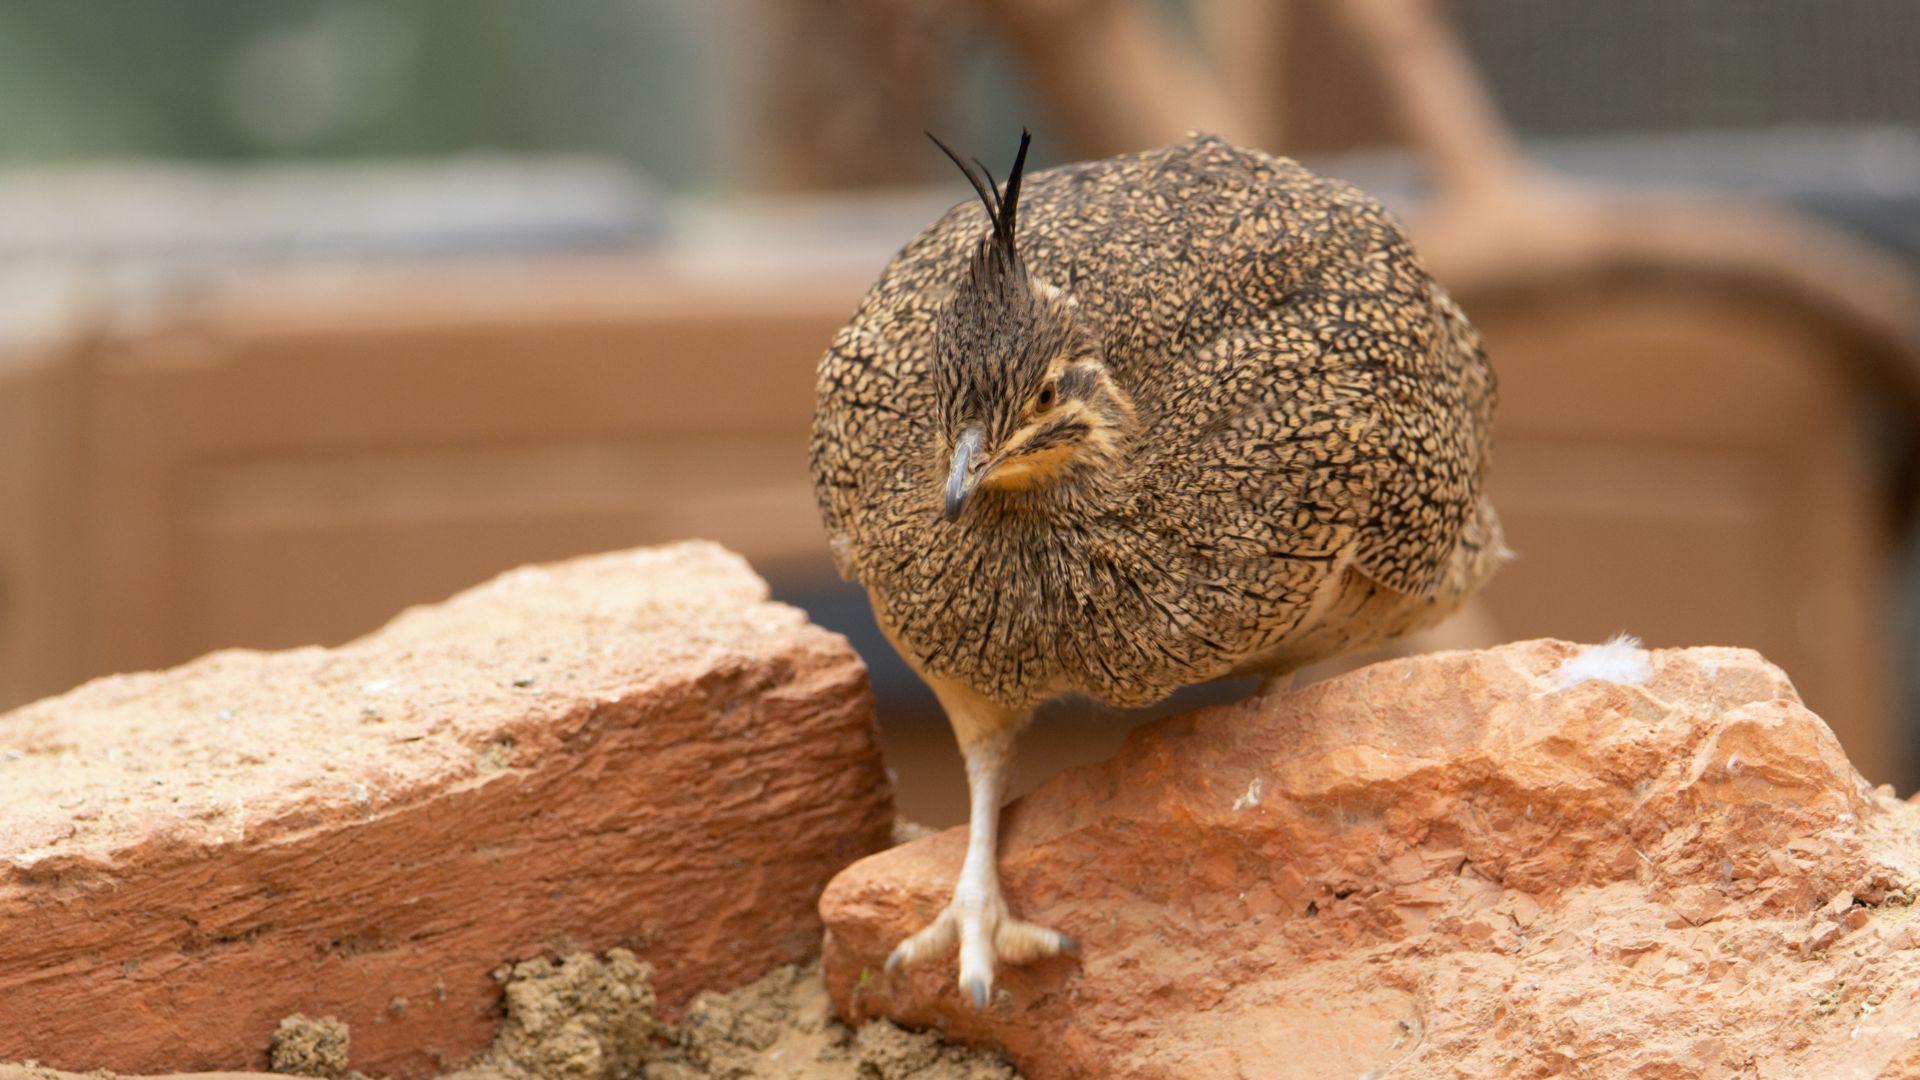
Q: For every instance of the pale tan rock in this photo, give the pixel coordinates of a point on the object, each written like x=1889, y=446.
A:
x=631, y=750
x=1457, y=865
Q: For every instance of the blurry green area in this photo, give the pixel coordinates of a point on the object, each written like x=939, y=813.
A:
x=218, y=80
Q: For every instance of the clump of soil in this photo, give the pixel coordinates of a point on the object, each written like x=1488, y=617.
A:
x=576, y=1018
x=309, y=1046
x=783, y=1028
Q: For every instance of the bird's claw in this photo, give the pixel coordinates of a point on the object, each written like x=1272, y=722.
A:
x=977, y=988
x=930, y=939
x=988, y=936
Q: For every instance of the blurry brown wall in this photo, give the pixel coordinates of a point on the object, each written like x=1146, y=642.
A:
x=1692, y=466
x=273, y=465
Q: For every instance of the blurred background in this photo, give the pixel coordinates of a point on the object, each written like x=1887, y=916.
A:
x=314, y=309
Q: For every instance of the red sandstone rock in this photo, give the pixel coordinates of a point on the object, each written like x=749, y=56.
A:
x=26, y=1072
x=1467, y=864
x=636, y=749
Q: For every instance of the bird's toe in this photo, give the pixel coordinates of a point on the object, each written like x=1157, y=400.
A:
x=988, y=938
x=1019, y=942
x=977, y=989
x=928, y=940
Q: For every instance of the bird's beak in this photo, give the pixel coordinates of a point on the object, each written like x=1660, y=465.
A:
x=963, y=477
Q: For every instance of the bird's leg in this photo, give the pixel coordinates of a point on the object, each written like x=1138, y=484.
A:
x=977, y=915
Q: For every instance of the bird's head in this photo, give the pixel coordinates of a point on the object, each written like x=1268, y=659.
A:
x=1025, y=400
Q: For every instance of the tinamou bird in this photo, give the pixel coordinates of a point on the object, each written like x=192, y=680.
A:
x=1128, y=425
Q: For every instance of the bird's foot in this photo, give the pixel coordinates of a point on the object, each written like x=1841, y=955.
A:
x=988, y=937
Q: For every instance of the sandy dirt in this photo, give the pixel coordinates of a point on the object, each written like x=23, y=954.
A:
x=580, y=1017
x=583, y=1017
x=783, y=1028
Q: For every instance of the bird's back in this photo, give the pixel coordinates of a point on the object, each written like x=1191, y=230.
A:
x=1314, y=417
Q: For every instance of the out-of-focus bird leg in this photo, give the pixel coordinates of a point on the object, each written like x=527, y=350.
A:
x=1276, y=684
x=977, y=916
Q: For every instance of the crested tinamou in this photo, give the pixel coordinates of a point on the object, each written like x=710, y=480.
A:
x=1133, y=424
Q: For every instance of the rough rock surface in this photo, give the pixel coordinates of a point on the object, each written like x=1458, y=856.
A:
x=631, y=750
x=45, y=1073
x=1537, y=860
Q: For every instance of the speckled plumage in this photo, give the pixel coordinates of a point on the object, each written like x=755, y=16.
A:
x=1303, y=472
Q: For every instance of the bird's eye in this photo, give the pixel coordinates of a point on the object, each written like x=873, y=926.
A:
x=1044, y=401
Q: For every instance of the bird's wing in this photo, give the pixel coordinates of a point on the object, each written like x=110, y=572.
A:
x=1330, y=433
x=1435, y=408
x=853, y=384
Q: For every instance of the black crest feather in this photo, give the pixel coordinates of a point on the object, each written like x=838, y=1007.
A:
x=1003, y=206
